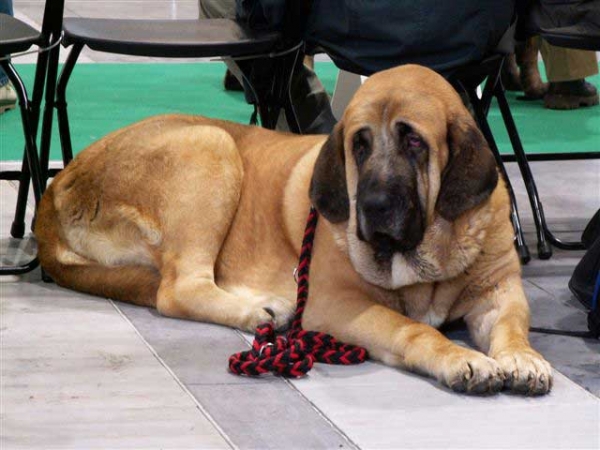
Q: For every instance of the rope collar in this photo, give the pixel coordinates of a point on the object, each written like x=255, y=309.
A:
x=293, y=356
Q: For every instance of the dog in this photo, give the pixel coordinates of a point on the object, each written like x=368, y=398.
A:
x=203, y=219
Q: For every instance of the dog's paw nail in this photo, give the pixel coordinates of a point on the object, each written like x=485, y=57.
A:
x=469, y=374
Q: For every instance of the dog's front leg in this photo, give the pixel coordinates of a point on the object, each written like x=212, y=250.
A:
x=399, y=341
x=499, y=325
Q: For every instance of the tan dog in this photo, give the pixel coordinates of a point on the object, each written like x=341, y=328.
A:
x=203, y=219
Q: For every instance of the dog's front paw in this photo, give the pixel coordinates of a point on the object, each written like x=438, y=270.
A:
x=472, y=372
x=526, y=371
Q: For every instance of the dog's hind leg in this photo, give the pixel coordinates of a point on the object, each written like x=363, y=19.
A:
x=136, y=284
x=204, y=198
x=198, y=298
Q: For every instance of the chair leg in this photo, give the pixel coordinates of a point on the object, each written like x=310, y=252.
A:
x=18, y=225
x=480, y=114
x=543, y=233
x=61, y=104
x=30, y=152
x=28, y=129
x=50, y=93
x=17, y=229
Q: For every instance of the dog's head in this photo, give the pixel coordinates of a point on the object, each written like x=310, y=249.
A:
x=404, y=164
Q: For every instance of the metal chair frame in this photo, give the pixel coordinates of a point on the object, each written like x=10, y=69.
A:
x=45, y=81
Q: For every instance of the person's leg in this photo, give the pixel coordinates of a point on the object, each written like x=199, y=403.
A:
x=216, y=9
x=8, y=97
x=310, y=102
x=566, y=70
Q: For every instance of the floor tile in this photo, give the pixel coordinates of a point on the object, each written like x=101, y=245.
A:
x=197, y=352
x=269, y=416
x=76, y=374
x=384, y=408
x=553, y=306
x=263, y=413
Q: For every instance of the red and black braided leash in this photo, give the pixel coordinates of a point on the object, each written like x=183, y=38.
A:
x=293, y=355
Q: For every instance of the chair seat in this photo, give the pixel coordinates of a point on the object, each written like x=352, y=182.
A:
x=585, y=36
x=169, y=38
x=16, y=36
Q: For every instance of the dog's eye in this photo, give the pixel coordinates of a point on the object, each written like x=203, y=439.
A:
x=416, y=146
x=410, y=140
x=414, y=141
x=361, y=146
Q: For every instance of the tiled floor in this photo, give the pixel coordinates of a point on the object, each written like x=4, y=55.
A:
x=83, y=372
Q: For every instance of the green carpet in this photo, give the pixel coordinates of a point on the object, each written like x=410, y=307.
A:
x=105, y=97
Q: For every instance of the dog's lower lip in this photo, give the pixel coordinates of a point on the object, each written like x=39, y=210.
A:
x=386, y=246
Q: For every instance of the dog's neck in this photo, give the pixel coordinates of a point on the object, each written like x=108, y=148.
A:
x=296, y=202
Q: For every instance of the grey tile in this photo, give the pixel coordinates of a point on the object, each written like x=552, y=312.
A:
x=569, y=190
x=133, y=9
x=269, y=416
x=254, y=412
x=390, y=409
x=197, y=352
x=553, y=306
x=75, y=374
x=14, y=251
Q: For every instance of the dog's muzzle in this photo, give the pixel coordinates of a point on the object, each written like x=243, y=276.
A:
x=389, y=221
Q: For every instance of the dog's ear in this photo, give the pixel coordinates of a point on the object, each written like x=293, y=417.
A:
x=328, y=190
x=471, y=173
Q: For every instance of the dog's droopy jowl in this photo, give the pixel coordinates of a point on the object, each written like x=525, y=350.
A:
x=203, y=219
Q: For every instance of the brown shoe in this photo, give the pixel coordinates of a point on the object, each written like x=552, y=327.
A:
x=571, y=95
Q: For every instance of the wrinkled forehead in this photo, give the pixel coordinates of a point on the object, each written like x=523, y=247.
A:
x=418, y=97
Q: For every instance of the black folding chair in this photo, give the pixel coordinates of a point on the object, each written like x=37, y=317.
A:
x=266, y=58
x=584, y=35
x=17, y=37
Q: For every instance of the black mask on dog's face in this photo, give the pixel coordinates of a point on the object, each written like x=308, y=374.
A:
x=388, y=209
x=391, y=215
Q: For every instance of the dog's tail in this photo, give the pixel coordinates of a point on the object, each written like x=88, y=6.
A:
x=133, y=284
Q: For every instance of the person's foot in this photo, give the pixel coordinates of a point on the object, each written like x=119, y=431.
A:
x=231, y=83
x=8, y=98
x=571, y=95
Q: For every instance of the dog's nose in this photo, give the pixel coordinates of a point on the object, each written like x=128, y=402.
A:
x=376, y=203
x=378, y=212
x=388, y=219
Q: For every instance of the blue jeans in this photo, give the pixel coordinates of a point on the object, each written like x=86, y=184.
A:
x=6, y=7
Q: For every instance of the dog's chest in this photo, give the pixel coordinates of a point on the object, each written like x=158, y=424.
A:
x=428, y=303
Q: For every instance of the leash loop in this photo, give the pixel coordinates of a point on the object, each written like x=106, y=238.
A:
x=292, y=356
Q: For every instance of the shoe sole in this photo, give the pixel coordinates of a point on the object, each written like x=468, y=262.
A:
x=558, y=101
